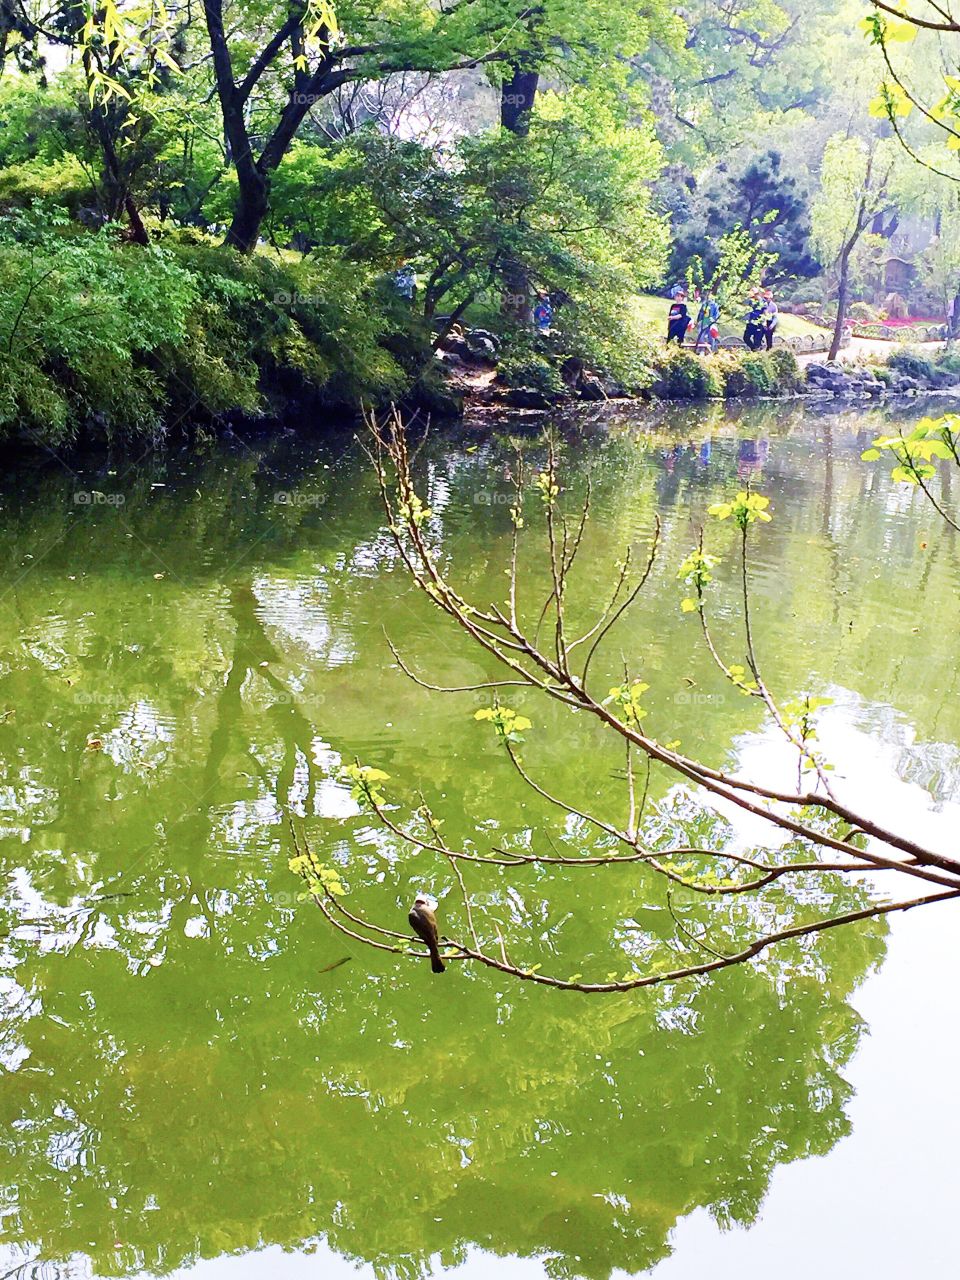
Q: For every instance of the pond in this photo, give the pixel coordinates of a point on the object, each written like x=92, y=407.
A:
x=200, y=1074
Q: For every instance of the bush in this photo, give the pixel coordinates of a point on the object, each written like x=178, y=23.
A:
x=807, y=292
x=524, y=365
x=912, y=364
x=117, y=339
x=787, y=374
x=733, y=374
x=681, y=375
x=862, y=312
x=949, y=361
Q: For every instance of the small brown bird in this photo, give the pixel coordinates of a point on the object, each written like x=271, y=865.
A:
x=424, y=925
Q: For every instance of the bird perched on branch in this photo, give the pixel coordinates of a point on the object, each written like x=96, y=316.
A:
x=424, y=924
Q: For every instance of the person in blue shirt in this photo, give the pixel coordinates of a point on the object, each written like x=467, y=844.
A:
x=771, y=317
x=707, y=318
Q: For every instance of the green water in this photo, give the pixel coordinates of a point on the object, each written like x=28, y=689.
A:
x=189, y=1071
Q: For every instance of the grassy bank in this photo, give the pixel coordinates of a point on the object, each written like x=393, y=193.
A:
x=104, y=338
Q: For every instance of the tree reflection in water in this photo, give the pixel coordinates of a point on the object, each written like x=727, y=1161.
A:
x=189, y=1070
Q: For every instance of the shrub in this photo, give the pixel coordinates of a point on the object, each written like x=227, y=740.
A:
x=118, y=339
x=949, y=361
x=787, y=375
x=863, y=312
x=525, y=365
x=911, y=363
x=733, y=374
x=681, y=375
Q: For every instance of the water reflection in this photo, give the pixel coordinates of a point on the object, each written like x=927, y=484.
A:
x=190, y=1070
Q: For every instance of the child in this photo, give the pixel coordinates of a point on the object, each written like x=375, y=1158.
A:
x=707, y=332
x=771, y=317
x=678, y=320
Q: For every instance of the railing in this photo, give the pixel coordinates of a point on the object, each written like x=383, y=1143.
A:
x=804, y=343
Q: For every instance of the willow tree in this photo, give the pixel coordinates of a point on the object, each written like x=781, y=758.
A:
x=919, y=90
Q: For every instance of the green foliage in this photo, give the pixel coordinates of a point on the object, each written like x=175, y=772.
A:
x=79, y=317
x=915, y=452
x=509, y=726
x=756, y=191
x=365, y=784
x=683, y=375
x=740, y=264
x=121, y=339
x=626, y=701
x=912, y=363
x=524, y=364
x=746, y=508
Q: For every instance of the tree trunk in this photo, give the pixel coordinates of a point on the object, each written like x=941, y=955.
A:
x=249, y=211
x=138, y=232
x=842, y=295
x=517, y=97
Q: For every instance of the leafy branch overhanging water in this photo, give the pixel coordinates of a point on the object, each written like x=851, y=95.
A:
x=824, y=837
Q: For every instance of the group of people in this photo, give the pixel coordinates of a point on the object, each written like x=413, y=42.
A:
x=707, y=318
x=763, y=315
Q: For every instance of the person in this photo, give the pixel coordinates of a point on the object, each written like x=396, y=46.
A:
x=678, y=320
x=708, y=334
x=543, y=313
x=405, y=282
x=753, y=333
x=771, y=317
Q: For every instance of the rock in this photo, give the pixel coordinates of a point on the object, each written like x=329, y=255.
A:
x=614, y=390
x=590, y=387
x=483, y=344
x=456, y=345
x=571, y=369
x=527, y=398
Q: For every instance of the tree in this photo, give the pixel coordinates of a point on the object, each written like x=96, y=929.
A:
x=825, y=841
x=854, y=190
x=757, y=191
x=309, y=52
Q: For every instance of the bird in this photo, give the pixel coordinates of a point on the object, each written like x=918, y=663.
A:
x=424, y=924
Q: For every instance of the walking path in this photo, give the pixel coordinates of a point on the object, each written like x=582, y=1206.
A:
x=858, y=347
